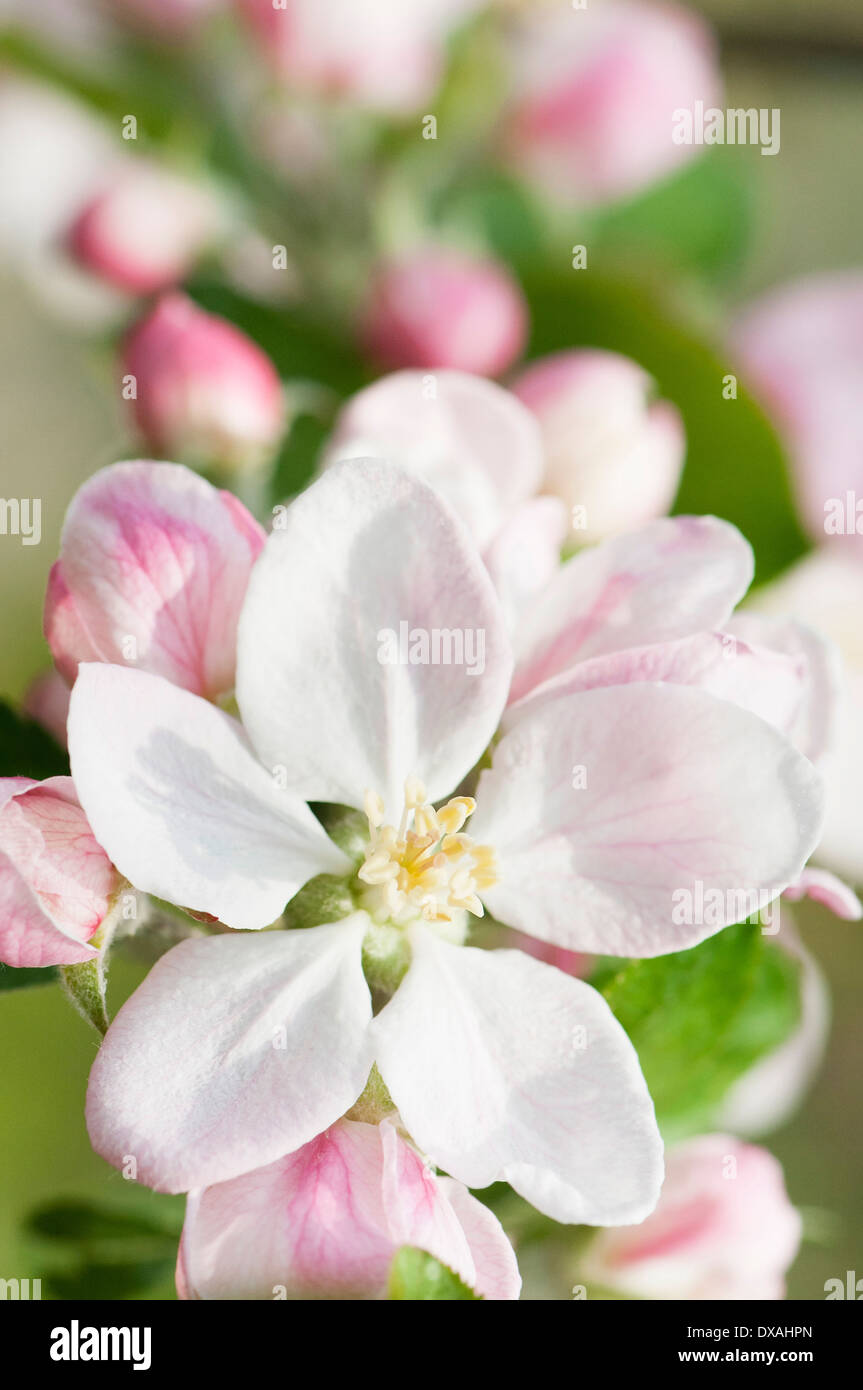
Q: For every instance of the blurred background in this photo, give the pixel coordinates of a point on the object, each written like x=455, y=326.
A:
x=670, y=267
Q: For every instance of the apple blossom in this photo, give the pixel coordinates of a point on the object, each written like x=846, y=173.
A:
x=144, y=230
x=56, y=883
x=494, y=1060
x=153, y=569
x=595, y=89
x=441, y=308
x=46, y=701
x=203, y=390
x=468, y=437
x=724, y=1229
x=613, y=455
x=373, y=53
x=327, y=1220
x=802, y=348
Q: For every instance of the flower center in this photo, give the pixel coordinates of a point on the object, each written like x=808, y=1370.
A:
x=427, y=867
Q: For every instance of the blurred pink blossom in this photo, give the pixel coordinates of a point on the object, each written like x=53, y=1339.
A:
x=143, y=231
x=375, y=53
x=802, y=348
x=327, y=1220
x=56, y=883
x=166, y=19
x=205, y=391
x=724, y=1229
x=442, y=308
x=594, y=95
x=612, y=454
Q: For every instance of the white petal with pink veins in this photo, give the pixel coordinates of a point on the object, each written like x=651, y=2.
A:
x=609, y=808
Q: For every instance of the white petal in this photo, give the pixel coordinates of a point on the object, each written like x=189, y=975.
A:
x=370, y=550
x=504, y=1068
x=234, y=1051
x=179, y=802
x=640, y=819
x=673, y=578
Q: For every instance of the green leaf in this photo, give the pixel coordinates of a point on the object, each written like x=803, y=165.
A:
x=102, y=1251
x=25, y=977
x=699, y=1019
x=417, y=1277
x=697, y=220
x=735, y=464
x=27, y=750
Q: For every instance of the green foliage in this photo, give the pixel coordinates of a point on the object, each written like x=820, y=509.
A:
x=25, y=977
x=418, y=1277
x=699, y=1019
x=96, y=1250
x=26, y=750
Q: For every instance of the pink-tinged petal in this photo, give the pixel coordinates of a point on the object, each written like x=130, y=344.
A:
x=673, y=578
x=724, y=1228
x=472, y=440
x=525, y=554
x=824, y=887
x=767, y=683
x=497, y=1275
x=613, y=454
x=326, y=1221
x=47, y=702
x=814, y=728
x=175, y=794
x=618, y=813
x=234, y=1050
x=153, y=569
x=595, y=96
x=368, y=556
x=56, y=882
x=504, y=1068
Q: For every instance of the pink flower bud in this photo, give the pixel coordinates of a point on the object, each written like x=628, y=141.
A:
x=385, y=56
x=144, y=230
x=802, y=346
x=596, y=91
x=327, y=1220
x=613, y=454
x=56, y=883
x=724, y=1228
x=205, y=391
x=153, y=569
x=439, y=308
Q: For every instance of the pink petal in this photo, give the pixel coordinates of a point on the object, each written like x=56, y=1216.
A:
x=56, y=882
x=326, y=1221
x=824, y=887
x=152, y=573
x=673, y=578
